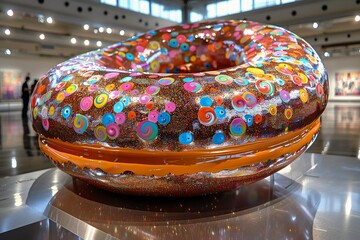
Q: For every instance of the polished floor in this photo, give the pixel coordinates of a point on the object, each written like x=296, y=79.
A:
x=19, y=149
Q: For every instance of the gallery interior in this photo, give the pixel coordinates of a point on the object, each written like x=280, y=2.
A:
x=316, y=196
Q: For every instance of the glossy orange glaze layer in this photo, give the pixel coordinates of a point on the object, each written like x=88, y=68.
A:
x=149, y=163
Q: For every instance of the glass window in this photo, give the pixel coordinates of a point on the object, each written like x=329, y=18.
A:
x=222, y=8
x=156, y=9
x=246, y=5
x=144, y=6
x=195, y=17
x=234, y=6
x=211, y=10
x=124, y=4
x=109, y=2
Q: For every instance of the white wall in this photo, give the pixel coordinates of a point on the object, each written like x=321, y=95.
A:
x=338, y=65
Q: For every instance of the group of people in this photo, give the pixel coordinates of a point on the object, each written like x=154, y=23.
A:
x=26, y=92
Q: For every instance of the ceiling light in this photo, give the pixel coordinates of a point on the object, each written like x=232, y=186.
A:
x=10, y=12
x=7, y=51
x=73, y=40
x=42, y=36
x=7, y=31
x=122, y=32
x=86, y=27
x=109, y=30
x=315, y=25
x=86, y=42
x=357, y=18
x=326, y=54
x=96, y=31
x=49, y=20
x=101, y=29
x=99, y=43
x=41, y=18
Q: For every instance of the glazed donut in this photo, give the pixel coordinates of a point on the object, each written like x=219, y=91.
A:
x=185, y=110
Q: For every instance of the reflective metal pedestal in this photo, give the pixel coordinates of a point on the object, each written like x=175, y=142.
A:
x=316, y=197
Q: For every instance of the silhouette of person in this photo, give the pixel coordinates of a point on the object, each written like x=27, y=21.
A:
x=25, y=95
x=33, y=86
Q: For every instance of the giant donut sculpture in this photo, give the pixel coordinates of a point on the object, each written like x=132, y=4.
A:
x=185, y=110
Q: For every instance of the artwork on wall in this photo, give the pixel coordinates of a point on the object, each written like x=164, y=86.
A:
x=10, y=84
x=347, y=84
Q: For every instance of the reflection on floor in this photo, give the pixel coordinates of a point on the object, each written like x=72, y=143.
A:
x=19, y=150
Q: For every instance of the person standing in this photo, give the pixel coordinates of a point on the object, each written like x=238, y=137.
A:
x=33, y=86
x=25, y=95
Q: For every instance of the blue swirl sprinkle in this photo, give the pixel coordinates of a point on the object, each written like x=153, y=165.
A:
x=107, y=119
x=184, y=47
x=173, y=43
x=129, y=56
x=205, y=101
x=125, y=79
x=164, y=118
x=188, y=79
x=186, y=138
x=220, y=112
x=118, y=107
x=66, y=112
x=218, y=138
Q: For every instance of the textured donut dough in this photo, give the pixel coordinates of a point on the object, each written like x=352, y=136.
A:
x=184, y=110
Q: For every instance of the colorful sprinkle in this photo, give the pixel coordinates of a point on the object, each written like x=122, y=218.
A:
x=164, y=118
x=120, y=118
x=66, y=112
x=152, y=90
x=109, y=87
x=224, y=79
x=288, y=113
x=60, y=86
x=237, y=127
x=147, y=130
x=125, y=100
x=238, y=103
x=285, y=96
x=80, y=123
x=265, y=87
x=45, y=124
x=126, y=86
x=126, y=79
x=186, y=138
x=153, y=116
x=144, y=98
x=60, y=97
x=100, y=133
x=207, y=116
x=218, y=138
x=51, y=110
x=101, y=100
x=205, y=101
x=166, y=81
x=241, y=81
x=112, y=130
x=107, y=119
x=118, y=107
x=188, y=79
x=86, y=103
x=304, y=96
x=192, y=87
x=170, y=106
x=249, y=119
x=272, y=110
x=220, y=112
x=250, y=99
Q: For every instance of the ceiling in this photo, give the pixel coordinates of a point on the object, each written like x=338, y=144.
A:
x=337, y=33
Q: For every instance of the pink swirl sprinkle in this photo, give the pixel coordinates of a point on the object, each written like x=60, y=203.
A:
x=86, y=103
x=120, y=118
x=144, y=98
x=112, y=130
x=93, y=87
x=192, y=86
x=45, y=124
x=170, y=106
x=152, y=90
x=153, y=116
x=250, y=99
x=134, y=92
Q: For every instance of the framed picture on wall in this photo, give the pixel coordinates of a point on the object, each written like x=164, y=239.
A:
x=347, y=84
x=10, y=84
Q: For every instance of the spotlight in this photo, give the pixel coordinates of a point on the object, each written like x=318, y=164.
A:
x=122, y=32
x=42, y=36
x=101, y=29
x=86, y=27
x=326, y=54
x=10, y=12
x=99, y=43
x=96, y=31
x=7, y=52
x=109, y=30
x=315, y=25
x=49, y=20
x=7, y=32
x=86, y=42
x=357, y=18
x=73, y=40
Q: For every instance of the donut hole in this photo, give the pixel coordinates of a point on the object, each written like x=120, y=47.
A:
x=206, y=48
